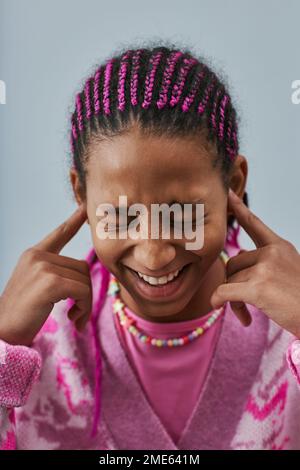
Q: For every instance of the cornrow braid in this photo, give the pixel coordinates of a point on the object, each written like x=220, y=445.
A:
x=223, y=104
x=150, y=79
x=122, y=81
x=135, y=77
x=96, y=97
x=106, y=88
x=179, y=84
x=167, y=78
x=88, y=98
x=188, y=100
x=79, y=112
x=168, y=91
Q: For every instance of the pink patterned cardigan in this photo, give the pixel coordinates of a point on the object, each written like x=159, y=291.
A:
x=71, y=390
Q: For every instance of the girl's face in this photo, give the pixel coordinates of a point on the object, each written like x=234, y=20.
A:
x=159, y=170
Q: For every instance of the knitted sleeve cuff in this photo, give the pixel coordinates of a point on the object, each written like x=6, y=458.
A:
x=293, y=359
x=19, y=368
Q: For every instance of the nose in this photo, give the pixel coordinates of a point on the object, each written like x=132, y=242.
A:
x=154, y=254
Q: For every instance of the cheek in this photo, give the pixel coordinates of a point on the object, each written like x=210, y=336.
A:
x=215, y=231
x=103, y=248
x=108, y=251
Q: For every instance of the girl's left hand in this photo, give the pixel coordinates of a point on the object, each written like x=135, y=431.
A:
x=267, y=277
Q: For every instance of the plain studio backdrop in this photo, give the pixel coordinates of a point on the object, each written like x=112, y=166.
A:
x=49, y=48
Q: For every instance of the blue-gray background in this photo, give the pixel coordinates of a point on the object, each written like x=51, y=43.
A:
x=48, y=48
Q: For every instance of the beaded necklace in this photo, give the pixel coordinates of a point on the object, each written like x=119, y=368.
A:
x=129, y=323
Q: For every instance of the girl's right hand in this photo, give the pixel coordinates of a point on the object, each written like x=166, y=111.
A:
x=41, y=278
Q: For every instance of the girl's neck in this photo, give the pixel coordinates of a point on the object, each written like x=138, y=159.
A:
x=198, y=306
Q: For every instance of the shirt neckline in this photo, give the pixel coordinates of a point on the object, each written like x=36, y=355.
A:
x=168, y=327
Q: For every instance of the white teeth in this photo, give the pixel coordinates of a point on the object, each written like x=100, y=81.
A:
x=159, y=280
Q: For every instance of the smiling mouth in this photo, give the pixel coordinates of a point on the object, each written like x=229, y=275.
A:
x=179, y=275
x=161, y=291
x=169, y=282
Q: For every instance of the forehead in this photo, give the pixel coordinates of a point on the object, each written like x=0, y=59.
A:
x=139, y=164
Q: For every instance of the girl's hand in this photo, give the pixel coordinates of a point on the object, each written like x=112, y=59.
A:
x=41, y=278
x=268, y=277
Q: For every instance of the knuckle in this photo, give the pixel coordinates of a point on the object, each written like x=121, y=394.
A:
x=275, y=253
x=85, y=266
x=273, y=250
x=87, y=291
x=53, y=279
x=30, y=255
x=262, y=270
x=43, y=266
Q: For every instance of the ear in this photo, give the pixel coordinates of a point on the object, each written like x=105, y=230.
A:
x=238, y=178
x=77, y=187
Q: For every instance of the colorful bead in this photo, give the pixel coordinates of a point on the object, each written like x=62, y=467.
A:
x=113, y=287
x=129, y=323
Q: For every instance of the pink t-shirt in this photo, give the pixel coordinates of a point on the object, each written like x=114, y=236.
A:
x=171, y=378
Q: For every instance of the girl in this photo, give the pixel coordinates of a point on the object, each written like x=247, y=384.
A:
x=172, y=348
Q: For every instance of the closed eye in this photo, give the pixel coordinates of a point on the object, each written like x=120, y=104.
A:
x=193, y=221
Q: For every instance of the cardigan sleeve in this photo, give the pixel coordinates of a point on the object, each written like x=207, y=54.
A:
x=293, y=359
x=20, y=367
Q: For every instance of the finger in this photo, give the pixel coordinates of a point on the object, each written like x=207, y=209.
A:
x=244, y=259
x=242, y=313
x=233, y=292
x=75, y=315
x=59, y=237
x=65, y=261
x=242, y=275
x=238, y=307
x=260, y=233
x=71, y=274
x=80, y=292
x=81, y=322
